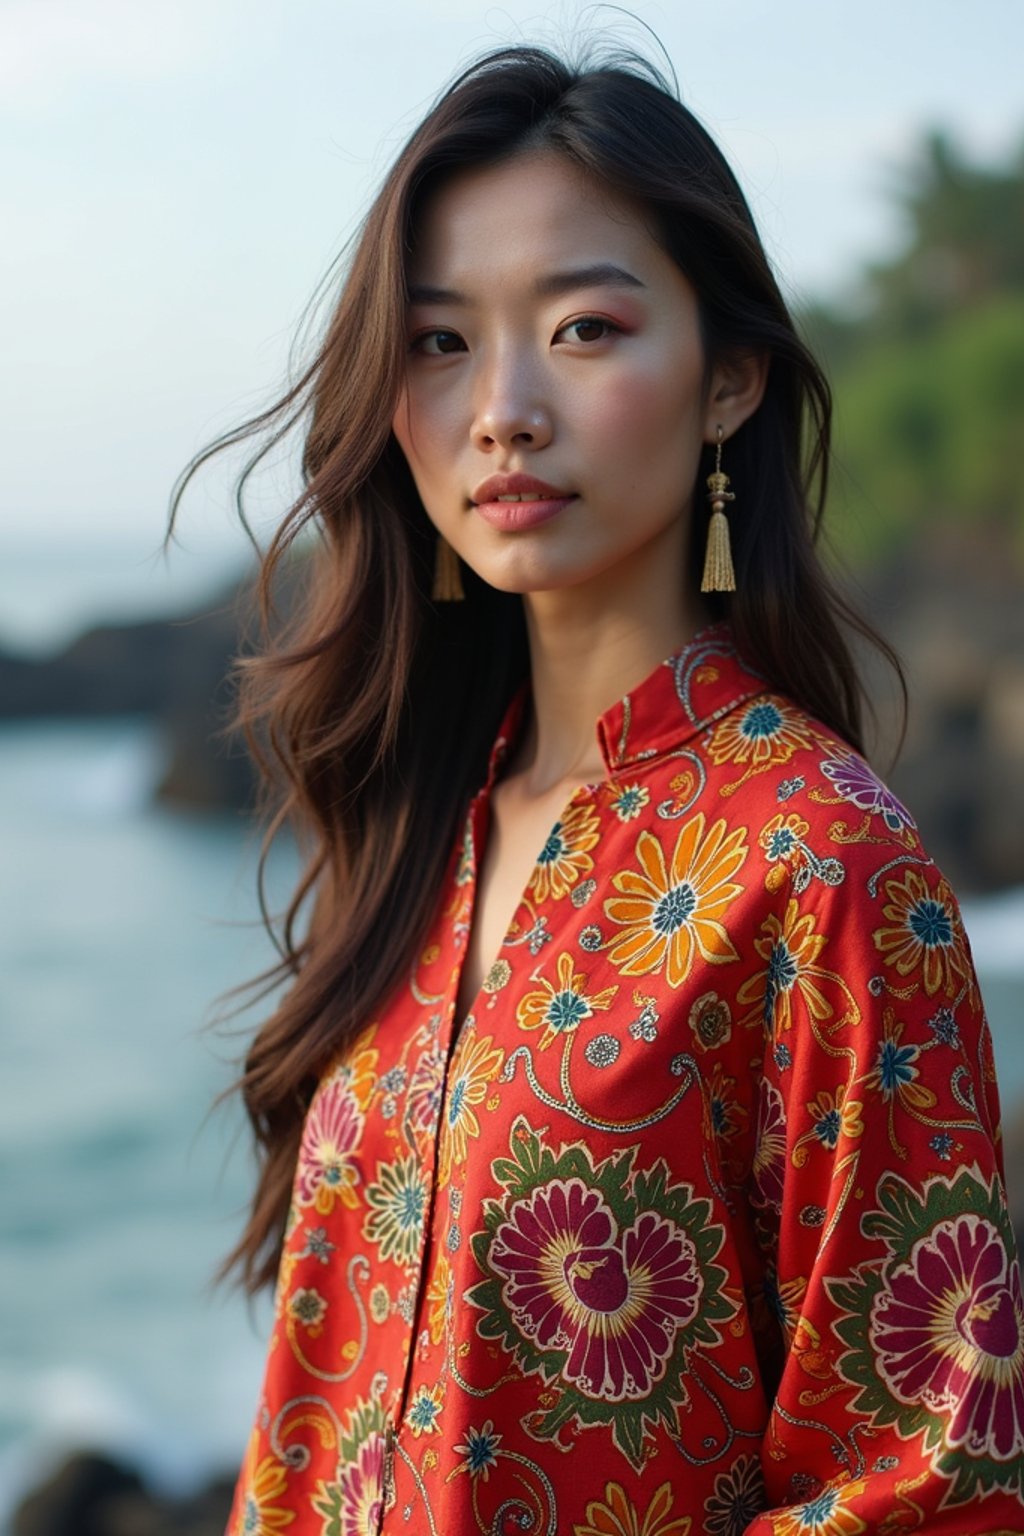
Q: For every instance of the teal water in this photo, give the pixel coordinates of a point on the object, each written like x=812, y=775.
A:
x=121, y=924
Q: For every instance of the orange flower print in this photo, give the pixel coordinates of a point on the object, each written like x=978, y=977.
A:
x=765, y=733
x=925, y=934
x=437, y=1298
x=617, y=1515
x=790, y=950
x=262, y=1482
x=357, y=1069
x=673, y=914
x=834, y=1117
x=559, y=1008
x=476, y=1063
x=565, y=857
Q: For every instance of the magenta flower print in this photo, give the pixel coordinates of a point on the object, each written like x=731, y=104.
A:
x=949, y=1332
x=934, y=1328
x=857, y=784
x=327, y=1168
x=601, y=1278
x=353, y=1506
x=612, y=1300
x=350, y=1504
x=361, y=1490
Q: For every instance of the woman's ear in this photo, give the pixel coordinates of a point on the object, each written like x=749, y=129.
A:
x=737, y=389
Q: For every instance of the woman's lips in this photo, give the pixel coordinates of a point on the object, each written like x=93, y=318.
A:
x=516, y=516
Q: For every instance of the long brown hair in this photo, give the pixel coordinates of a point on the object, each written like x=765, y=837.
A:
x=372, y=710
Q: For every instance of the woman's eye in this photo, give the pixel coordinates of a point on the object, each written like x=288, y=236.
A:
x=437, y=343
x=587, y=328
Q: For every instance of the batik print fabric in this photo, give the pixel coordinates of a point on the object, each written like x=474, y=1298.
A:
x=697, y=1224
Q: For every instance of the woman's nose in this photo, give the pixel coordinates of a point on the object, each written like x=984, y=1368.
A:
x=510, y=409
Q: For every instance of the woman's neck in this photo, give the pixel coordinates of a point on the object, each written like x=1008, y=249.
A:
x=587, y=649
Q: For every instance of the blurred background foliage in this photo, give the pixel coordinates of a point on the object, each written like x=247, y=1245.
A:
x=927, y=363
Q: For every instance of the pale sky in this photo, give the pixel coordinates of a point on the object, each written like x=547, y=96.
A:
x=176, y=176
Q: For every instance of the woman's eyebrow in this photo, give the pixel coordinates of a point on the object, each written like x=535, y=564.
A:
x=604, y=274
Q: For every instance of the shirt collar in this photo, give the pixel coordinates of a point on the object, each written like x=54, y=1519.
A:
x=688, y=691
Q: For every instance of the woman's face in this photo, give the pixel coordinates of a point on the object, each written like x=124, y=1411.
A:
x=551, y=337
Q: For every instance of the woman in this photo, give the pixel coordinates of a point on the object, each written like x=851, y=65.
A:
x=674, y=1143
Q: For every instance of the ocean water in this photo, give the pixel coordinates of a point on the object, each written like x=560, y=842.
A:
x=121, y=923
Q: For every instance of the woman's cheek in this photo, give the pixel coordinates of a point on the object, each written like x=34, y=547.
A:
x=647, y=407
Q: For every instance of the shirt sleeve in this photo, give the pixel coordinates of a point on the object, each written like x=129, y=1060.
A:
x=878, y=1183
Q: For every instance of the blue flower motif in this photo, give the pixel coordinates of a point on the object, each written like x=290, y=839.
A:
x=555, y=846
x=479, y=1448
x=828, y=1127
x=781, y=843
x=425, y=1410
x=815, y=1515
x=565, y=1011
x=456, y=1100
x=942, y=1145
x=761, y=720
x=317, y=1246
x=894, y=1066
x=675, y=908
x=780, y=977
x=630, y=801
x=783, y=1056
x=930, y=923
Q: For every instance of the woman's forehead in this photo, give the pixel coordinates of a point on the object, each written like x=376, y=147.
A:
x=538, y=213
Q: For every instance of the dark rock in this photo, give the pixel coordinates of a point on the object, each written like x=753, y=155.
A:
x=92, y=1495
x=72, y=1501
x=175, y=671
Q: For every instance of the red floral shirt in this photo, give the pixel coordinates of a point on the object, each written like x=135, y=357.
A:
x=697, y=1225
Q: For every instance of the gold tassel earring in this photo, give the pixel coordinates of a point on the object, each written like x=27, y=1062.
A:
x=447, y=576
x=719, y=575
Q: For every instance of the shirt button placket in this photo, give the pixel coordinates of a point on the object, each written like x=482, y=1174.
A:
x=391, y=1423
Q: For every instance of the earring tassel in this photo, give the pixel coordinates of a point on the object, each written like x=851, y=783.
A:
x=447, y=576
x=719, y=575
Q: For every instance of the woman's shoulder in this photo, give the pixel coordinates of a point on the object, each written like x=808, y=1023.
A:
x=766, y=764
